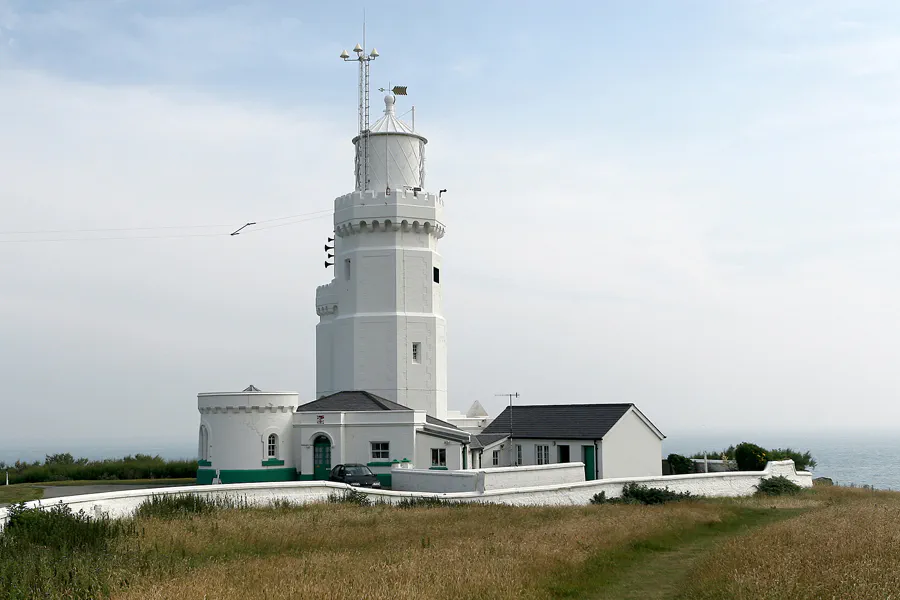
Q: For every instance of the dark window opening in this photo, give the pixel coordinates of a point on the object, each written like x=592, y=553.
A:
x=437, y=275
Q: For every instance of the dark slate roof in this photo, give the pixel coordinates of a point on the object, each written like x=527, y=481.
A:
x=350, y=402
x=558, y=421
x=486, y=439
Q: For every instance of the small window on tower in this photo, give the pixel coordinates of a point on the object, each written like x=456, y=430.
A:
x=416, y=352
x=437, y=275
x=347, y=269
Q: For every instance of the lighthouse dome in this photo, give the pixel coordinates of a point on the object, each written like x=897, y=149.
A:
x=396, y=153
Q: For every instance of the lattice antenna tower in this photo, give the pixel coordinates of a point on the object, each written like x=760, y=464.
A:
x=362, y=160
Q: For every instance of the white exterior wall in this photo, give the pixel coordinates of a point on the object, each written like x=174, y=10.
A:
x=631, y=449
x=529, y=454
x=468, y=424
x=351, y=434
x=386, y=300
x=737, y=483
x=239, y=425
x=424, y=444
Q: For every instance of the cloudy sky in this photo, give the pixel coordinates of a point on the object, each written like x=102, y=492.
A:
x=690, y=205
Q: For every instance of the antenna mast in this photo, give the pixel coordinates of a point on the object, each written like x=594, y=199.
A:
x=362, y=164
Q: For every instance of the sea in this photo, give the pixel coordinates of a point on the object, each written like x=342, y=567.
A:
x=857, y=459
x=853, y=459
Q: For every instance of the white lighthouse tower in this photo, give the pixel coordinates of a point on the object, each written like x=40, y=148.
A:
x=381, y=326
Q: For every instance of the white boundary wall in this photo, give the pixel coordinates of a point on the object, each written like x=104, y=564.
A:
x=734, y=483
x=484, y=480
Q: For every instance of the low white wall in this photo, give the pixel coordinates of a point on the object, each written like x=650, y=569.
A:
x=734, y=483
x=483, y=480
x=444, y=482
x=499, y=478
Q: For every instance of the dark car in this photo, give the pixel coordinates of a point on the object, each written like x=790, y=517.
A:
x=356, y=475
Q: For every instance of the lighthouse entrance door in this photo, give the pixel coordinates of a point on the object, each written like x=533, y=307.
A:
x=321, y=458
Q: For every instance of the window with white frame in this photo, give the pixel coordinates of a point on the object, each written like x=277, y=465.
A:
x=272, y=446
x=542, y=455
x=381, y=450
x=438, y=457
x=416, y=352
x=495, y=461
x=518, y=454
x=203, y=450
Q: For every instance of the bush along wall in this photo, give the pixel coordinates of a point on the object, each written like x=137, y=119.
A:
x=750, y=457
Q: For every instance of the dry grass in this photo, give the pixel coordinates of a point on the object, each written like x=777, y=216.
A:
x=848, y=548
x=340, y=551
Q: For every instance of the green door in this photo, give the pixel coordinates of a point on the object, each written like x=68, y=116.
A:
x=590, y=468
x=321, y=458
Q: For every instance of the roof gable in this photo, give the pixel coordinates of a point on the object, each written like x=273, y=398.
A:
x=352, y=401
x=560, y=421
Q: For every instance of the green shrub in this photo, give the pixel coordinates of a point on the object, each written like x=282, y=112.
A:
x=600, y=498
x=55, y=553
x=173, y=506
x=680, y=465
x=415, y=502
x=634, y=493
x=803, y=461
x=58, y=527
x=750, y=457
x=350, y=496
x=648, y=495
x=777, y=486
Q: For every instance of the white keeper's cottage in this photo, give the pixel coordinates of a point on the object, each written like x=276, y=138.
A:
x=381, y=357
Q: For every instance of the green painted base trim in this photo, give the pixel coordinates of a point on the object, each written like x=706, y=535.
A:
x=304, y=477
x=273, y=462
x=381, y=463
x=206, y=476
x=437, y=468
x=204, y=463
x=385, y=479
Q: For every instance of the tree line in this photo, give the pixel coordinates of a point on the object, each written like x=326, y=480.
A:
x=65, y=467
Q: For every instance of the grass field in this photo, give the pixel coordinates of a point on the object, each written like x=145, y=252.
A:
x=160, y=482
x=20, y=492
x=23, y=492
x=823, y=543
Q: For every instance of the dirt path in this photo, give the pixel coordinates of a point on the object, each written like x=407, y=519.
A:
x=656, y=569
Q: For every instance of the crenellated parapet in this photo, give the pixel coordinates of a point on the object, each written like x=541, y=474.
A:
x=247, y=402
x=401, y=210
x=326, y=300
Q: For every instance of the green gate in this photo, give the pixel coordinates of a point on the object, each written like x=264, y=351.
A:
x=321, y=458
x=590, y=467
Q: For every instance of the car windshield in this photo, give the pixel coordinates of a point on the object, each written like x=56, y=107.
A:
x=358, y=470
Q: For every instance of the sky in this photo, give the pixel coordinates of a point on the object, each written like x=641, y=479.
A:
x=689, y=205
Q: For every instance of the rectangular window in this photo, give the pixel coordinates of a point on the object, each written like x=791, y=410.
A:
x=381, y=450
x=562, y=453
x=416, y=352
x=542, y=455
x=438, y=457
x=496, y=458
x=347, y=269
x=437, y=275
x=518, y=454
x=273, y=446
